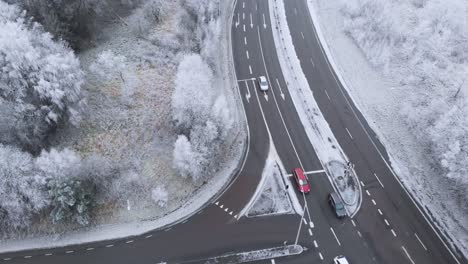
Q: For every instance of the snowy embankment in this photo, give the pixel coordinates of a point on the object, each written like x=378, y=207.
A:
x=257, y=255
x=318, y=131
x=272, y=197
x=404, y=64
x=131, y=73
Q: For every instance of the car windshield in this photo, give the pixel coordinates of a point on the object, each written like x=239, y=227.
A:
x=263, y=82
x=339, y=206
x=302, y=182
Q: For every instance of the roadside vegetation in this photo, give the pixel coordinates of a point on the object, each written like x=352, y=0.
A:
x=103, y=106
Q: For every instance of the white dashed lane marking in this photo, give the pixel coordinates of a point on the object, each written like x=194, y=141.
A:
x=420, y=242
x=386, y=222
x=368, y=193
x=69, y=252
x=89, y=249
x=393, y=232
x=380, y=212
x=373, y=201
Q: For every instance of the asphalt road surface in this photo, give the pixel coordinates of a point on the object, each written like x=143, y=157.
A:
x=389, y=228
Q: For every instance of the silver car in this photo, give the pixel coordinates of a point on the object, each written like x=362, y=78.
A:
x=263, y=83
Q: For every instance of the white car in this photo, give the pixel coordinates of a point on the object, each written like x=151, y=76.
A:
x=340, y=260
x=263, y=83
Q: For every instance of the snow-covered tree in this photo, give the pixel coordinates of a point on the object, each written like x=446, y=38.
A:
x=22, y=188
x=39, y=78
x=450, y=141
x=159, y=196
x=194, y=93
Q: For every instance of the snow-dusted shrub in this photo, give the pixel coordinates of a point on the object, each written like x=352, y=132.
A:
x=22, y=188
x=40, y=81
x=422, y=46
x=109, y=65
x=193, y=94
x=202, y=117
x=72, y=200
x=449, y=137
x=159, y=196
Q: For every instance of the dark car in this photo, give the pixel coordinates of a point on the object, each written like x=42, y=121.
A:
x=337, y=205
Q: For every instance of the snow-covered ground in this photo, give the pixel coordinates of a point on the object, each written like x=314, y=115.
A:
x=257, y=255
x=318, y=131
x=403, y=72
x=272, y=197
x=129, y=121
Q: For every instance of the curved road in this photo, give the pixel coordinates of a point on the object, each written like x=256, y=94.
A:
x=389, y=227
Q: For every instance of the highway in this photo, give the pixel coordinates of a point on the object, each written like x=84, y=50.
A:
x=389, y=227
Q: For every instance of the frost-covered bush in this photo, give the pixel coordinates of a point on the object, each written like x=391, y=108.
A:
x=159, y=196
x=40, y=81
x=108, y=65
x=423, y=46
x=72, y=200
x=22, y=188
x=201, y=115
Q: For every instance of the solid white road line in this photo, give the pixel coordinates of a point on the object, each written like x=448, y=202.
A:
x=333, y=231
x=349, y=133
x=407, y=254
x=247, y=54
x=393, y=232
x=381, y=184
x=420, y=242
x=314, y=172
x=327, y=95
x=250, y=69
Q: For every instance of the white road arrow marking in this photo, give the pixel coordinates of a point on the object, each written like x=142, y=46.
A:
x=247, y=96
x=266, y=96
x=264, y=23
x=251, y=21
x=281, y=91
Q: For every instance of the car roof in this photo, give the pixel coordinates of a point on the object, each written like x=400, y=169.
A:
x=300, y=173
x=336, y=197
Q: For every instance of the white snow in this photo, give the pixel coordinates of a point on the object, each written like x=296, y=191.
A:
x=318, y=131
x=272, y=197
x=379, y=97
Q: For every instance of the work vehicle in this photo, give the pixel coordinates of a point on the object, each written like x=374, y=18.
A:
x=337, y=205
